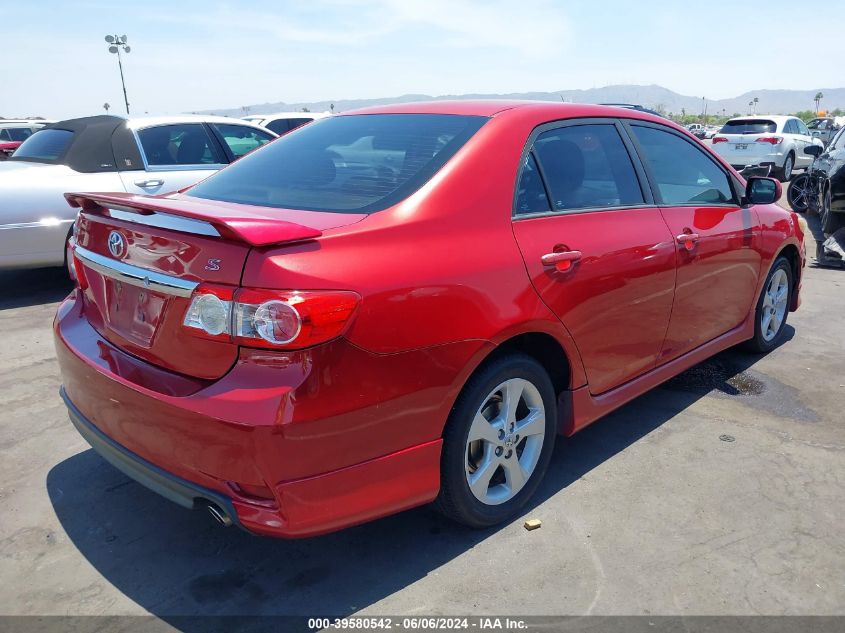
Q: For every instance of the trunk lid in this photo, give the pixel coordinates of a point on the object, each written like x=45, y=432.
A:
x=142, y=257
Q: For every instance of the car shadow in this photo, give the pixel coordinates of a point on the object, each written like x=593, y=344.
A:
x=178, y=564
x=35, y=286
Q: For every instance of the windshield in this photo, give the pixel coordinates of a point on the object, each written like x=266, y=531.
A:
x=818, y=124
x=749, y=126
x=15, y=134
x=345, y=164
x=44, y=145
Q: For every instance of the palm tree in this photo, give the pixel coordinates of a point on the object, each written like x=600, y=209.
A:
x=819, y=96
x=756, y=100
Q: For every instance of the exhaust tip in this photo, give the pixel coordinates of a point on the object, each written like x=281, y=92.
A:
x=219, y=514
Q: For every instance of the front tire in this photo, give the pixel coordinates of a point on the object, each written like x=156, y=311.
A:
x=785, y=172
x=827, y=218
x=497, y=442
x=798, y=194
x=772, y=308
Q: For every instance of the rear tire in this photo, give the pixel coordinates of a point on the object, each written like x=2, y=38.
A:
x=498, y=442
x=828, y=219
x=785, y=173
x=772, y=308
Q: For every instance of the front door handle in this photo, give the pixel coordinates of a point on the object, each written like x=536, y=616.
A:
x=149, y=183
x=687, y=240
x=562, y=260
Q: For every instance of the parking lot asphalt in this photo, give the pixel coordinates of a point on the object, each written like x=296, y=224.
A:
x=720, y=492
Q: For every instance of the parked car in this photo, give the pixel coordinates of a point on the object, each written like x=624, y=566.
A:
x=823, y=128
x=105, y=153
x=283, y=122
x=696, y=129
x=830, y=166
x=752, y=140
x=15, y=132
x=634, y=106
x=710, y=131
x=303, y=342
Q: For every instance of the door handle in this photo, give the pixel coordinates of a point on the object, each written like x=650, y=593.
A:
x=687, y=240
x=562, y=260
x=149, y=183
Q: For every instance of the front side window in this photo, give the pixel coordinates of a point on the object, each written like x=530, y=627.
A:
x=838, y=141
x=344, y=164
x=683, y=173
x=587, y=167
x=241, y=139
x=45, y=145
x=179, y=144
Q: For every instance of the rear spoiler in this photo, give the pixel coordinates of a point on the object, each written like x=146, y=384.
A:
x=253, y=225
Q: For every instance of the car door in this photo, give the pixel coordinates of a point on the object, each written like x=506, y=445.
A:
x=596, y=248
x=806, y=139
x=175, y=156
x=717, y=240
x=239, y=140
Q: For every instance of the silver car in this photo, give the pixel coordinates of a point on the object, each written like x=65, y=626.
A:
x=753, y=140
x=147, y=155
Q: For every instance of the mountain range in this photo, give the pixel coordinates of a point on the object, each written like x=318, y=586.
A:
x=652, y=96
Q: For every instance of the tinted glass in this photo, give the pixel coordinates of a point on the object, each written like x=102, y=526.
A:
x=587, y=166
x=838, y=141
x=749, y=126
x=46, y=145
x=279, y=126
x=295, y=123
x=344, y=164
x=241, y=139
x=181, y=144
x=531, y=194
x=15, y=133
x=802, y=129
x=790, y=127
x=683, y=172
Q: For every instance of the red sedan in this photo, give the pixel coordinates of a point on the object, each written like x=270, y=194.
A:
x=405, y=304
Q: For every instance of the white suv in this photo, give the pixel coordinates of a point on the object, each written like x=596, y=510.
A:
x=752, y=140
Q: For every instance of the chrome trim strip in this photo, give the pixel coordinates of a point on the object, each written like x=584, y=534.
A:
x=33, y=225
x=166, y=221
x=135, y=275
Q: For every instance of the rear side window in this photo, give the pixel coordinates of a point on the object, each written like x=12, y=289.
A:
x=801, y=128
x=587, y=167
x=180, y=144
x=749, y=126
x=279, y=126
x=344, y=164
x=531, y=194
x=47, y=145
x=683, y=173
x=241, y=139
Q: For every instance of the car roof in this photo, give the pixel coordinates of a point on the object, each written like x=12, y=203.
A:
x=287, y=115
x=489, y=108
x=755, y=117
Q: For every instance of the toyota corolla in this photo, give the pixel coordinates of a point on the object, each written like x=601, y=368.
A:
x=405, y=305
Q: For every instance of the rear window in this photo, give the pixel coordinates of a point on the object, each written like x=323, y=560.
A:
x=344, y=164
x=44, y=145
x=15, y=134
x=749, y=126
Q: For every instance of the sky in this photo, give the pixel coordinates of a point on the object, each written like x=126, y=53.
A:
x=195, y=55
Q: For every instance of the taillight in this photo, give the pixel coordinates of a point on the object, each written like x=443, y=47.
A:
x=719, y=139
x=772, y=140
x=269, y=318
x=74, y=267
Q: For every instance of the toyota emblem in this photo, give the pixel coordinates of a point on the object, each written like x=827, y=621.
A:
x=117, y=244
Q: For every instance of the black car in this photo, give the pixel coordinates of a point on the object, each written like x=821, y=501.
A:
x=831, y=165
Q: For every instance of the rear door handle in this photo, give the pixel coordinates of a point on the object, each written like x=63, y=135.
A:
x=562, y=260
x=149, y=183
x=687, y=240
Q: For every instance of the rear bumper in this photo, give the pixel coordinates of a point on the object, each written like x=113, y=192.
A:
x=354, y=441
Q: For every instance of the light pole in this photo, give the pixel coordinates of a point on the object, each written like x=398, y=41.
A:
x=116, y=42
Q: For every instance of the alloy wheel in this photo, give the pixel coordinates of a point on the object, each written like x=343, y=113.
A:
x=505, y=441
x=774, y=305
x=800, y=192
x=787, y=168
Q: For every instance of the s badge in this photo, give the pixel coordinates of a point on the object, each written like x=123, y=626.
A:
x=213, y=264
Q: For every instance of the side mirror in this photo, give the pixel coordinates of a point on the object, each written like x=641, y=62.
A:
x=762, y=190
x=813, y=150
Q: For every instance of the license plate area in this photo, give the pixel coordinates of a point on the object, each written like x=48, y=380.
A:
x=741, y=146
x=134, y=313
